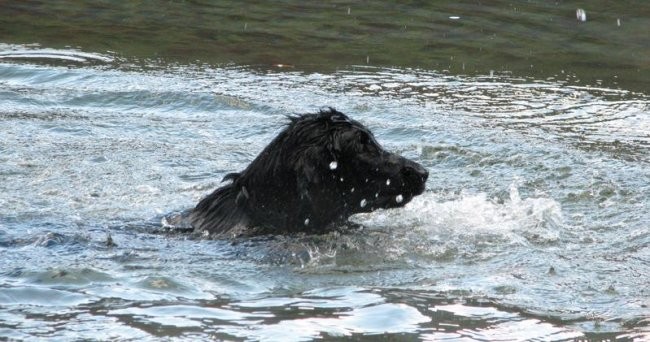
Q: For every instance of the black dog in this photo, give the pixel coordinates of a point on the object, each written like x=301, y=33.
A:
x=319, y=170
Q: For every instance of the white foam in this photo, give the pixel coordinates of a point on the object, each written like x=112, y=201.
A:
x=469, y=214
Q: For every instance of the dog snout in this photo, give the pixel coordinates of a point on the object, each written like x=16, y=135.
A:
x=417, y=175
x=415, y=170
x=413, y=173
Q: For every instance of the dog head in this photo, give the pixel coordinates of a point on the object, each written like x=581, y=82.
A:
x=341, y=167
x=319, y=170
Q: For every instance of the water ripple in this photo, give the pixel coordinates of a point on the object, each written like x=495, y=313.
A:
x=35, y=52
x=536, y=206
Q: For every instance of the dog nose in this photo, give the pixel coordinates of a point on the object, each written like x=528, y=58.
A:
x=415, y=170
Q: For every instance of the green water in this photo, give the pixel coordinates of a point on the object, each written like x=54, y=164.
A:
x=526, y=38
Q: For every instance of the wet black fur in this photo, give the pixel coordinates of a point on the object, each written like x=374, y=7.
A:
x=318, y=171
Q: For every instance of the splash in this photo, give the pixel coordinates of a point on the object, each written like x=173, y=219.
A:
x=472, y=214
x=472, y=226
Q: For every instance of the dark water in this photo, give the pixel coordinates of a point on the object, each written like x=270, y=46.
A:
x=534, y=127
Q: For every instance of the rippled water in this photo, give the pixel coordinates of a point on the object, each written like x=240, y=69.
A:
x=534, y=224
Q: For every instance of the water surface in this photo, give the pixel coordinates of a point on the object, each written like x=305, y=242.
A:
x=534, y=225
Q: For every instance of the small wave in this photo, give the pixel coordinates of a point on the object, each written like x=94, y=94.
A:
x=30, y=52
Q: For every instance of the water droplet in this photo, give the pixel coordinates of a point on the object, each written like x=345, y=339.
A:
x=366, y=180
x=374, y=87
x=341, y=179
x=376, y=194
x=333, y=165
x=454, y=17
x=388, y=182
x=363, y=203
x=306, y=221
x=399, y=198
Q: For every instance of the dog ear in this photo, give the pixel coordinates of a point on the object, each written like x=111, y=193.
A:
x=333, y=144
x=307, y=164
x=303, y=189
x=307, y=176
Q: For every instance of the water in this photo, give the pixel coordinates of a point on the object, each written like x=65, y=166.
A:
x=534, y=225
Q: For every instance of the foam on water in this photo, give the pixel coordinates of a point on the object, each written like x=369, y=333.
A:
x=473, y=217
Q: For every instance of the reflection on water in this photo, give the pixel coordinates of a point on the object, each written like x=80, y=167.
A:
x=534, y=225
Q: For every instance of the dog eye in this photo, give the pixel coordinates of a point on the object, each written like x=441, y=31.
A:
x=367, y=142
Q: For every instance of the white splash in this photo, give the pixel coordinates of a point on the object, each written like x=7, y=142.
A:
x=516, y=219
x=399, y=198
x=363, y=203
x=306, y=221
x=388, y=182
x=333, y=165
